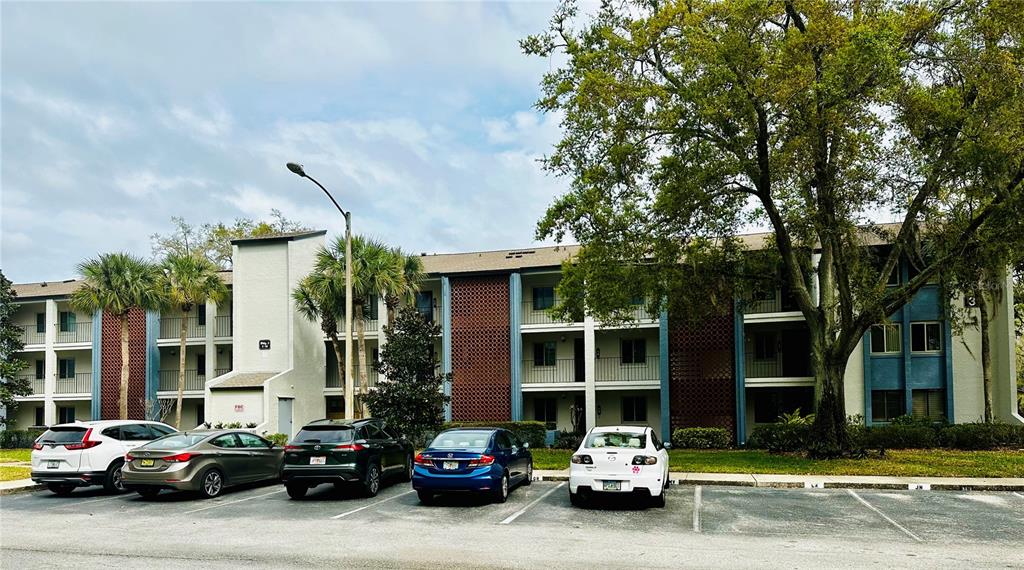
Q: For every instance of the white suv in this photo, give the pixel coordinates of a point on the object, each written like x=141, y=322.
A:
x=81, y=454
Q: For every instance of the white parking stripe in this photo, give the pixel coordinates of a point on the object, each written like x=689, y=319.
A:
x=696, y=508
x=374, y=504
x=232, y=502
x=74, y=503
x=1018, y=494
x=883, y=515
x=517, y=514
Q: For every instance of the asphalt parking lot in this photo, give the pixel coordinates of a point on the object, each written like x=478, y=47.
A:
x=700, y=526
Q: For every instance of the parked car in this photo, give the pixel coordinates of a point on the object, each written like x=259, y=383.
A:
x=81, y=454
x=488, y=460
x=344, y=452
x=619, y=459
x=205, y=461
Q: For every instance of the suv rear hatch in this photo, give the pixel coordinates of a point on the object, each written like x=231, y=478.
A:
x=51, y=451
x=322, y=445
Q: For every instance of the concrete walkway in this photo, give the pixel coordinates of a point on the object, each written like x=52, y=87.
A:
x=823, y=481
x=18, y=486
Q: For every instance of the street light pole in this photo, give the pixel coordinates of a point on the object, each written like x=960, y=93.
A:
x=349, y=381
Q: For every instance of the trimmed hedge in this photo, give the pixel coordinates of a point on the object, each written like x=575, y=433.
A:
x=567, y=440
x=701, y=438
x=981, y=436
x=904, y=434
x=896, y=436
x=18, y=438
x=535, y=433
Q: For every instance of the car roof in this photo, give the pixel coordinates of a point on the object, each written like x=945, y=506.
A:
x=622, y=429
x=345, y=422
x=105, y=423
x=472, y=428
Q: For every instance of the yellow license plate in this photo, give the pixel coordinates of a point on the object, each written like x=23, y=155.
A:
x=146, y=462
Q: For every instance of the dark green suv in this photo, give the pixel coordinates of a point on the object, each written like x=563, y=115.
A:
x=345, y=452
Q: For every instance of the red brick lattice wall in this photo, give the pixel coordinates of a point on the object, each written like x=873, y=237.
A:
x=110, y=365
x=481, y=372
x=702, y=385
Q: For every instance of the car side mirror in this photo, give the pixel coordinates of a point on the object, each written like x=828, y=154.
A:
x=667, y=445
x=526, y=445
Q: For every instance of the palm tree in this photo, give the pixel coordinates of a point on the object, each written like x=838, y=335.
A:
x=412, y=274
x=317, y=304
x=117, y=283
x=188, y=280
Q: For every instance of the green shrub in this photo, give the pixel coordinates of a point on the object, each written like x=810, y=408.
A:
x=701, y=438
x=780, y=437
x=18, y=438
x=901, y=436
x=567, y=440
x=279, y=439
x=982, y=436
x=534, y=433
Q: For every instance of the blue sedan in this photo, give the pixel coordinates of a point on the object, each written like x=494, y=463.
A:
x=485, y=460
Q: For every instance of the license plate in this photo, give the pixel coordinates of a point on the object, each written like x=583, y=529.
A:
x=451, y=465
x=318, y=460
x=146, y=462
x=52, y=464
x=612, y=485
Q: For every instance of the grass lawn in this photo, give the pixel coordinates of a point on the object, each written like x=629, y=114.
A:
x=908, y=463
x=13, y=472
x=15, y=455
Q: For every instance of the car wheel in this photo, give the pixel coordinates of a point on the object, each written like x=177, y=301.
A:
x=113, y=481
x=211, y=484
x=407, y=475
x=60, y=489
x=529, y=474
x=296, y=491
x=659, y=500
x=148, y=492
x=501, y=492
x=426, y=497
x=371, y=483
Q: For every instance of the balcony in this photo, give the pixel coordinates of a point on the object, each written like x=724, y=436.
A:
x=613, y=369
x=38, y=384
x=221, y=371
x=194, y=381
x=170, y=327
x=334, y=378
x=223, y=324
x=776, y=301
x=76, y=332
x=540, y=316
x=31, y=335
x=778, y=365
x=81, y=383
x=563, y=370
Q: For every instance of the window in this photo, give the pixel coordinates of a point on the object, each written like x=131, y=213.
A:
x=65, y=414
x=634, y=409
x=469, y=440
x=40, y=322
x=335, y=404
x=655, y=441
x=634, y=351
x=201, y=364
x=178, y=441
x=40, y=416
x=425, y=305
x=370, y=308
x=253, y=442
x=325, y=434
x=66, y=368
x=503, y=440
x=201, y=314
x=925, y=337
x=928, y=404
x=637, y=300
x=200, y=413
x=136, y=432
x=373, y=432
x=544, y=353
x=226, y=441
x=770, y=403
x=390, y=432
x=623, y=439
x=113, y=432
x=543, y=298
x=40, y=370
x=765, y=346
x=67, y=321
x=886, y=405
x=546, y=410
x=886, y=339
x=160, y=431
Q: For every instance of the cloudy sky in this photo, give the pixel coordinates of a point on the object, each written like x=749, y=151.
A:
x=115, y=117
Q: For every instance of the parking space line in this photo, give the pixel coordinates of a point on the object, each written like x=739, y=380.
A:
x=1018, y=494
x=232, y=502
x=696, y=508
x=86, y=502
x=516, y=514
x=373, y=504
x=883, y=515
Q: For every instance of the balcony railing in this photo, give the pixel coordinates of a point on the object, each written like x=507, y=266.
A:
x=38, y=384
x=223, y=326
x=193, y=380
x=612, y=369
x=780, y=366
x=80, y=384
x=562, y=370
x=30, y=335
x=539, y=316
x=221, y=371
x=334, y=378
x=432, y=315
x=170, y=327
x=780, y=302
x=77, y=332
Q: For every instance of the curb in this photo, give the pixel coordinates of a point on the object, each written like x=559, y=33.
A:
x=22, y=489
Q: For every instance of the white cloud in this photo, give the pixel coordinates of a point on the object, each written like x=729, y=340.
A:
x=144, y=182
x=203, y=126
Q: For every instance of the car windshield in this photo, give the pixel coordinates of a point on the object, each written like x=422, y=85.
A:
x=470, y=440
x=624, y=439
x=63, y=435
x=325, y=434
x=176, y=441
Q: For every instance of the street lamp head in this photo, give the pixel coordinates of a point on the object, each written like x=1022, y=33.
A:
x=297, y=169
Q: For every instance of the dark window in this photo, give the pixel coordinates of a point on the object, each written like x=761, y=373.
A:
x=655, y=440
x=634, y=409
x=67, y=321
x=375, y=358
x=765, y=346
x=201, y=314
x=40, y=416
x=546, y=410
x=373, y=432
x=136, y=432
x=201, y=364
x=370, y=308
x=503, y=441
x=226, y=441
x=200, y=413
x=253, y=442
x=67, y=434
x=40, y=322
x=335, y=404
x=113, y=432
x=160, y=431
x=928, y=404
x=770, y=403
x=925, y=337
x=65, y=414
x=325, y=434
x=543, y=298
x=636, y=300
x=544, y=353
x=390, y=432
x=66, y=368
x=886, y=339
x=425, y=305
x=634, y=351
x=887, y=405
x=40, y=370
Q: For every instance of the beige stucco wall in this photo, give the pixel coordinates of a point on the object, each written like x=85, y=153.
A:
x=853, y=384
x=221, y=406
x=610, y=407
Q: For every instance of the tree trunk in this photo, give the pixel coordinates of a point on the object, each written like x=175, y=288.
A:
x=339, y=356
x=122, y=398
x=986, y=351
x=829, y=437
x=181, y=370
x=363, y=379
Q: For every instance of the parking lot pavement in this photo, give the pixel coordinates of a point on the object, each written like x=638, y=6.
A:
x=722, y=526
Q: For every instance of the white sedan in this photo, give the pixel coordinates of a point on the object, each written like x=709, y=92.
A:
x=619, y=459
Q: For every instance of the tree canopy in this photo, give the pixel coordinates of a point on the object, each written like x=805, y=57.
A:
x=213, y=241
x=12, y=340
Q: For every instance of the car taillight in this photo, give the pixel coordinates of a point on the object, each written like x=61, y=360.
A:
x=349, y=447
x=423, y=460
x=86, y=443
x=179, y=458
x=583, y=458
x=37, y=446
x=293, y=448
x=644, y=460
x=128, y=457
x=483, y=460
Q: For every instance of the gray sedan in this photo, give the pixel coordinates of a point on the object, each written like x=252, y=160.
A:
x=205, y=461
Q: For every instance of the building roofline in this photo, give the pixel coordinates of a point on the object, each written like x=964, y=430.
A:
x=288, y=236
